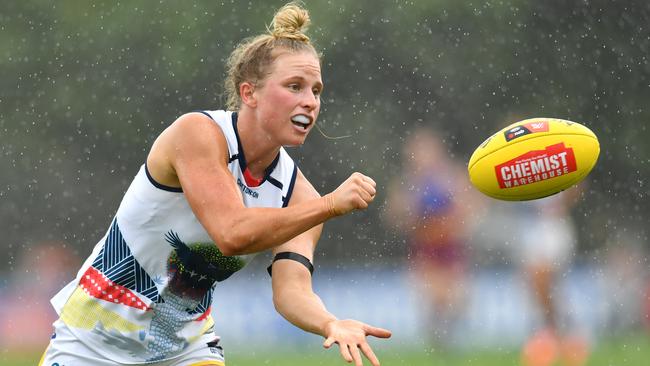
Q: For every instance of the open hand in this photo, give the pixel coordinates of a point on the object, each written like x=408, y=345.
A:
x=351, y=337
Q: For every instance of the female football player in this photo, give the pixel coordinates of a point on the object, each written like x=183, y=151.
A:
x=216, y=187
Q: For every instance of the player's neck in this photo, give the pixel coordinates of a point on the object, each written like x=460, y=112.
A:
x=260, y=150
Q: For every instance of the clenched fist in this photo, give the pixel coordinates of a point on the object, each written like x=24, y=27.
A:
x=355, y=193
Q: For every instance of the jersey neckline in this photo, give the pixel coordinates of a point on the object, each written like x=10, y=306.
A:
x=251, y=181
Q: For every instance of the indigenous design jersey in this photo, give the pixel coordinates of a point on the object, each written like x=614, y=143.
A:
x=144, y=294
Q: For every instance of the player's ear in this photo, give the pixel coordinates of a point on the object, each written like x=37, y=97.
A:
x=247, y=93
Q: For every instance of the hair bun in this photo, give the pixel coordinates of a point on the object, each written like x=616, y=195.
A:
x=290, y=21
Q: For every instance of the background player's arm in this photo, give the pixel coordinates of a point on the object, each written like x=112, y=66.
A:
x=296, y=301
x=193, y=153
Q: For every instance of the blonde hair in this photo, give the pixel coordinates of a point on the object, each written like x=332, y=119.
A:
x=252, y=59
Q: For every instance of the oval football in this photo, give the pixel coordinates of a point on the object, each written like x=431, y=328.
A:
x=533, y=158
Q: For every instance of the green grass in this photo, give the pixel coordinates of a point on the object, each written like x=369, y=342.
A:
x=412, y=358
x=628, y=351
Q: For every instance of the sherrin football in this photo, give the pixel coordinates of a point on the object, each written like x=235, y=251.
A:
x=534, y=158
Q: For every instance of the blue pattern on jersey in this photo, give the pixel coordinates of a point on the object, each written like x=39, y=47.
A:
x=167, y=319
x=203, y=306
x=117, y=263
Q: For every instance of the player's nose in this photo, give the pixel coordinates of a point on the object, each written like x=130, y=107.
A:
x=310, y=100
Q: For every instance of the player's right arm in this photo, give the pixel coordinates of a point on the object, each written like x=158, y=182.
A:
x=295, y=300
x=192, y=153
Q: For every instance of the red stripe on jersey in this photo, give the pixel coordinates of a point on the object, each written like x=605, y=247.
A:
x=95, y=284
x=204, y=315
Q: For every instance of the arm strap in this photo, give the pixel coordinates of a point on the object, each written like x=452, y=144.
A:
x=294, y=257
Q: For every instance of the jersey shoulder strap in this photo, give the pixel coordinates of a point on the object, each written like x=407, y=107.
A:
x=226, y=120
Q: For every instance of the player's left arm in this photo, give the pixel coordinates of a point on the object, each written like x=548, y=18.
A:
x=295, y=300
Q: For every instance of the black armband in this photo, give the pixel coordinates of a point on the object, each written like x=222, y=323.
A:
x=294, y=257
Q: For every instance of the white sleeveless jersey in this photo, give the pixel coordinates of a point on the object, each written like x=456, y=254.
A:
x=145, y=292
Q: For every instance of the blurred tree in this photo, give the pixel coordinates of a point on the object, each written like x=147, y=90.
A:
x=88, y=85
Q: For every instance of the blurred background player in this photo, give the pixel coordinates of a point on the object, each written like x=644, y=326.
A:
x=426, y=204
x=545, y=247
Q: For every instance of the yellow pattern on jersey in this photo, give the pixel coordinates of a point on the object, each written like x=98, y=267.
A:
x=83, y=311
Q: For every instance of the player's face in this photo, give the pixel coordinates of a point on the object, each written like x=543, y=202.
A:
x=289, y=99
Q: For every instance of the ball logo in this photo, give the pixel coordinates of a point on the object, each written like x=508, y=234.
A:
x=525, y=129
x=536, y=166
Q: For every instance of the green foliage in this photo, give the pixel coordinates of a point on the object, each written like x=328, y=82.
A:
x=88, y=85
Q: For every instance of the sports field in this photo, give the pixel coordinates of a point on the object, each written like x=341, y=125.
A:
x=628, y=351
